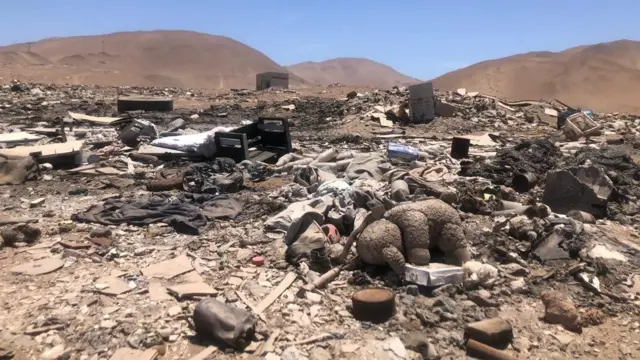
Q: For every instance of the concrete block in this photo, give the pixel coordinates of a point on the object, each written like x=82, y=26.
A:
x=495, y=332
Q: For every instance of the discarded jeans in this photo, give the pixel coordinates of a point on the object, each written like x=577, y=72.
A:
x=186, y=213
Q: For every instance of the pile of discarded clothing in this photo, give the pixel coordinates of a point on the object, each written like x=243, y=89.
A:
x=187, y=213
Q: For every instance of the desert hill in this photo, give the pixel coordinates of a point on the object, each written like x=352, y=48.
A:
x=603, y=77
x=351, y=71
x=148, y=58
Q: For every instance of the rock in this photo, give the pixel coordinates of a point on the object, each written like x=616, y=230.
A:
x=243, y=255
x=36, y=92
x=100, y=233
x=54, y=353
x=174, y=310
x=493, y=332
x=19, y=87
x=559, y=309
x=446, y=290
x=517, y=284
x=352, y=95
x=521, y=344
x=418, y=342
x=78, y=191
x=413, y=290
x=313, y=297
x=514, y=269
x=292, y=353
x=108, y=324
x=603, y=252
x=37, y=202
x=318, y=353
x=482, y=298
x=271, y=356
x=395, y=346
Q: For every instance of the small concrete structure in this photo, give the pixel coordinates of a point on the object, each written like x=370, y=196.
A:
x=272, y=79
x=422, y=103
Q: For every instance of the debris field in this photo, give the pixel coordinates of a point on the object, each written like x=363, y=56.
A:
x=320, y=223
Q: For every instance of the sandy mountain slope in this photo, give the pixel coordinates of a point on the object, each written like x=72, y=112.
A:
x=151, y=58
x=603, y=77
x=350, y=71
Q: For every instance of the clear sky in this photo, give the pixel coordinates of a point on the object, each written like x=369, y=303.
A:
x=421, y=38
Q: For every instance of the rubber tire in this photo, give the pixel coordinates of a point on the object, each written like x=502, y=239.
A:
x=373, y=305
x=147, y=104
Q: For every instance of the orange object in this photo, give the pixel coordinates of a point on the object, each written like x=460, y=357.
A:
x=258, y=260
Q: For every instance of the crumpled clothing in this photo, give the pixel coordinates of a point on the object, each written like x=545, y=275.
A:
x=257, y=171
x=305, y=239
x=186, y=213
x=366, y=167
x=415, y=182
x=217, y=177
x=311, y=178
x=16, y=172
x=341, y=215
x=334, y=187
x=284, y=219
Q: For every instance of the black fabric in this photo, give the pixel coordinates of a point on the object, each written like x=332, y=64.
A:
x=219, y=176
x=186, y=213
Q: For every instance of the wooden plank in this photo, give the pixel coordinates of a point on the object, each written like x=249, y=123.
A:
x=275, y=294
x=49, y=150
x=21, y=136
x=98, y=120
x=156, y=150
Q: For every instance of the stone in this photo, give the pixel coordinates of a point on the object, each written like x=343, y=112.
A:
x=349, y=347
x=292, y=353
x=418, y=342
x=108, y=324
x=243, y=255
x=165, y=333
x=271, y=356
x=603, y=252
x=37, y=202
x=100, y=233
x=514, y=269
x=313, y=297
x=396, y=347
x=318, y=353
x=517, y=284
x=559, y=309
x=174, y=310
x=54, y=353
x=482, y=298
x=493, y=332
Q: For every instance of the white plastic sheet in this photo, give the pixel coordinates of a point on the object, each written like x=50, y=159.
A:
x=202, y=143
